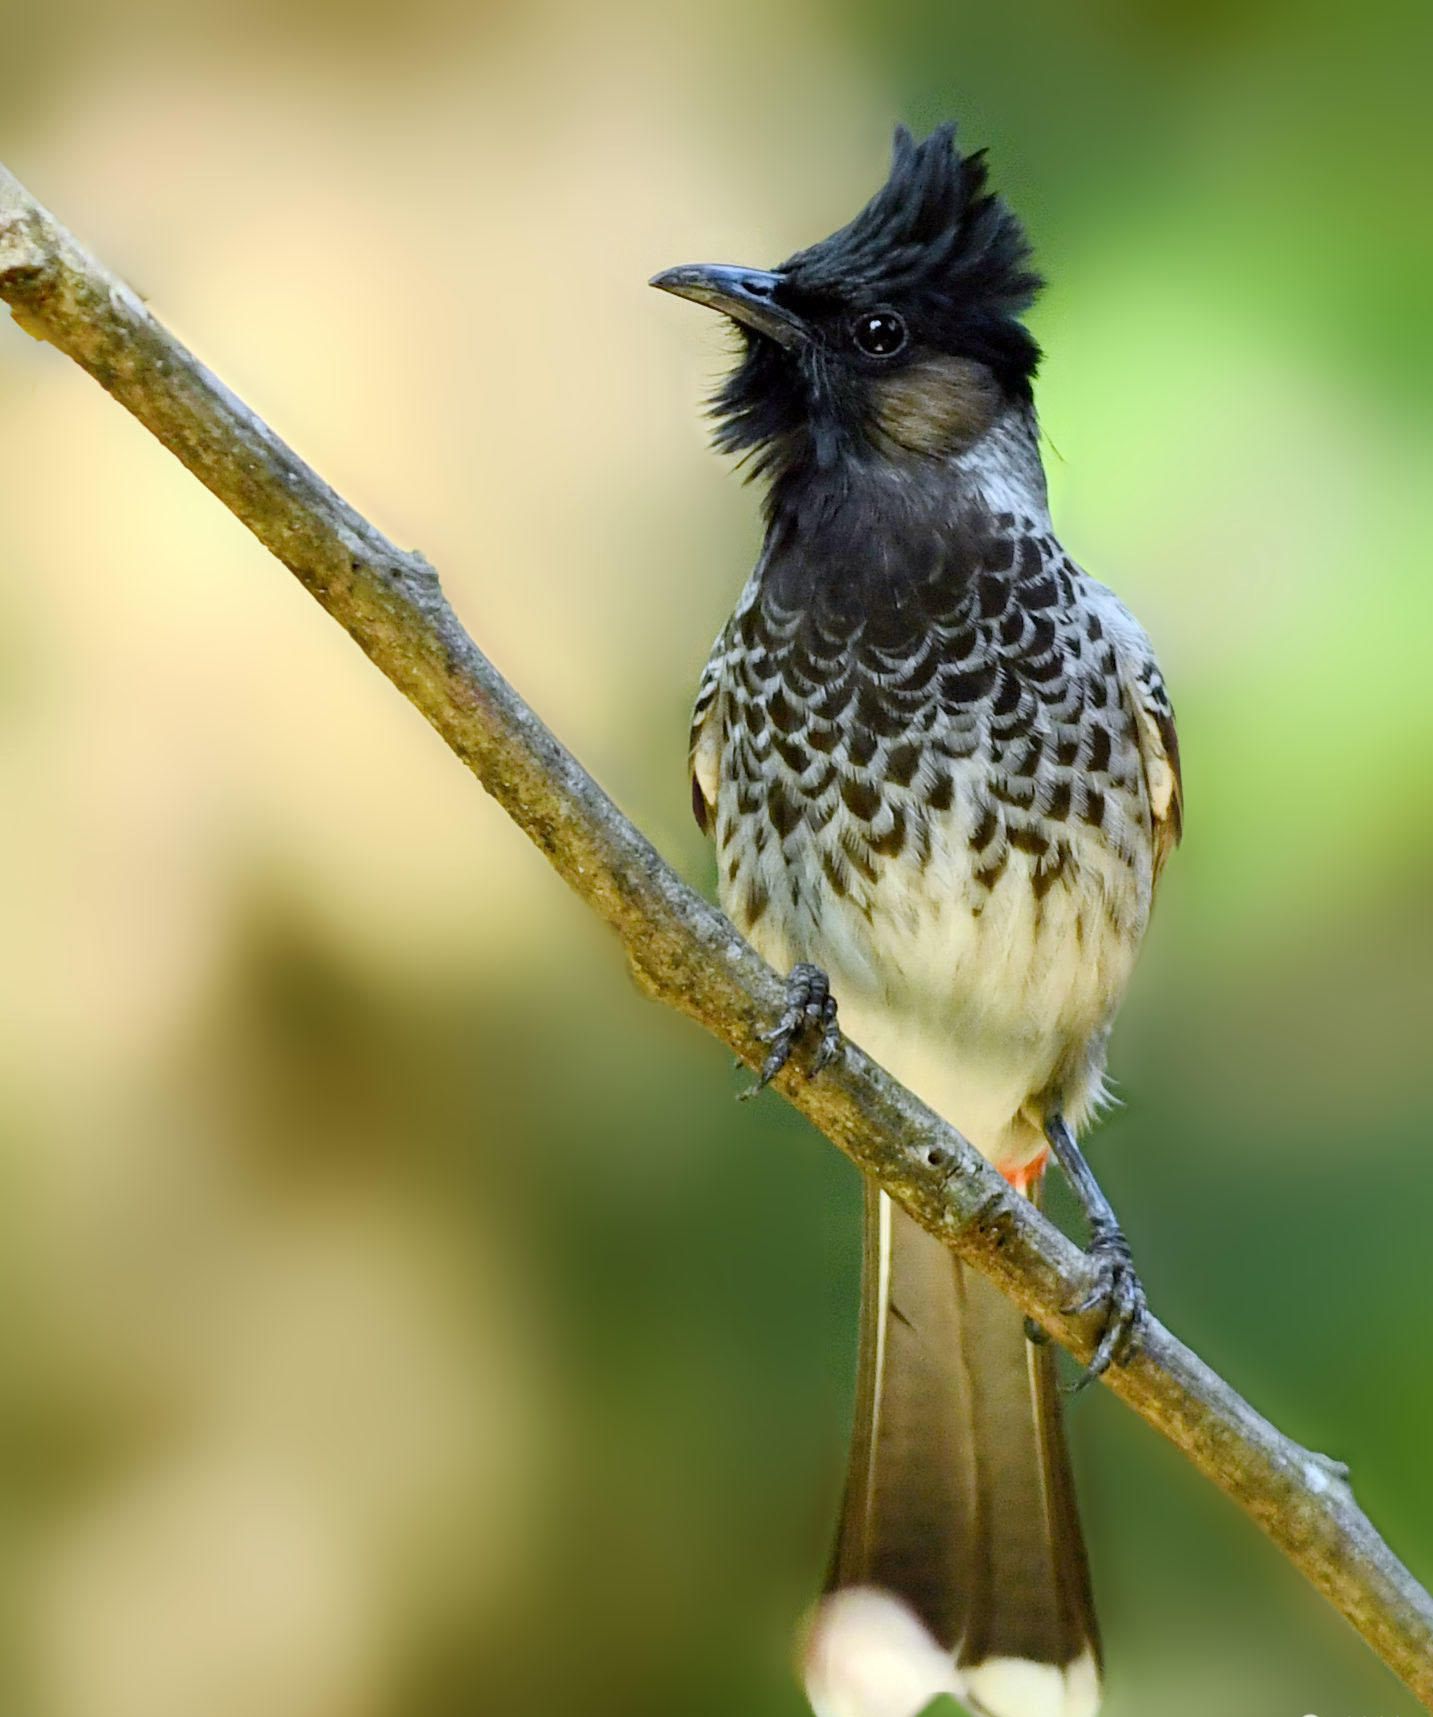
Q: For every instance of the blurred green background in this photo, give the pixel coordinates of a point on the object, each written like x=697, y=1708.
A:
x=399, y=1315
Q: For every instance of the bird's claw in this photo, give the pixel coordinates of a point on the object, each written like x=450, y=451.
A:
x=1118, y=1292
x=809, y=1005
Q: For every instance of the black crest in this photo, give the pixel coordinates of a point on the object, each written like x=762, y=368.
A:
x=934, y=243
x=932, y=229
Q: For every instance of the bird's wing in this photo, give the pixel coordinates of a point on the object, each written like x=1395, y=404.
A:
x=1147, y=700
x=704, y=744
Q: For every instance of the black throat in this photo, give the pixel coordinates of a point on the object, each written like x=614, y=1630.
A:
x=869, y=533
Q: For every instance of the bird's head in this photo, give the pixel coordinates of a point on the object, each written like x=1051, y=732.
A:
x=899, y=333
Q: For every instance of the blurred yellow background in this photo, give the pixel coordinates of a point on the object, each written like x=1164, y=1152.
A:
x=398, y=1315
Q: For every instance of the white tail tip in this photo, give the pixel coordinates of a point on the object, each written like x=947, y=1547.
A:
x=867, y=1654
x=1013, y=1687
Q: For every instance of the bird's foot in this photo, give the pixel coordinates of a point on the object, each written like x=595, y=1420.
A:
x=810, y=1006
x=1118, y=1293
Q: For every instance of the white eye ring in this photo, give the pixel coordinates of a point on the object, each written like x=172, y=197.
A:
x=879, y=333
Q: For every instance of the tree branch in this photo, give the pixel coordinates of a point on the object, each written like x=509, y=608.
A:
x=684, y=952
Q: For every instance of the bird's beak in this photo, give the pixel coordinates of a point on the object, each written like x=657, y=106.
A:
x=747, y=295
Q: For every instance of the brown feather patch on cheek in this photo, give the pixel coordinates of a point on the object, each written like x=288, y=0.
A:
x=937, y=405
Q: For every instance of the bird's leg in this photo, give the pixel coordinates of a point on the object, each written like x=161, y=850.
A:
x=1117, y=1289
x=809, y=1005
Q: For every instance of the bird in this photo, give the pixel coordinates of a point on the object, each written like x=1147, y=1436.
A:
x=940, y=767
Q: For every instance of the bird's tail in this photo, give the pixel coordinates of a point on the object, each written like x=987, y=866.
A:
x=959, y=1566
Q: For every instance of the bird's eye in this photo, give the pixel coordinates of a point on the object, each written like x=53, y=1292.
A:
x=881, y=334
